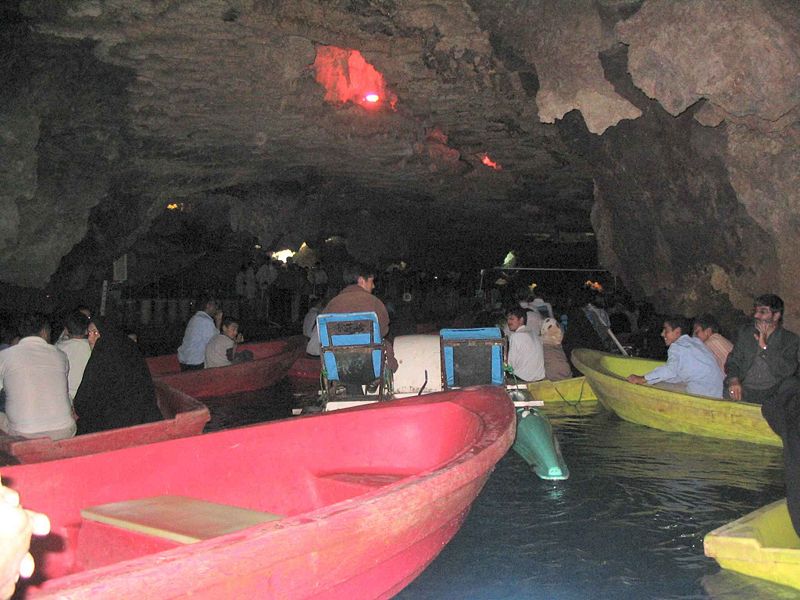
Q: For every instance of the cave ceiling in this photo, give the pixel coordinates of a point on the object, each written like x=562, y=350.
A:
x=645, y=123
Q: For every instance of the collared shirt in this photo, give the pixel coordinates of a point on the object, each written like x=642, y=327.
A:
x=199, y=331
x=690, y=362
x=526, y=354
x=78, y=352
x=34, y=375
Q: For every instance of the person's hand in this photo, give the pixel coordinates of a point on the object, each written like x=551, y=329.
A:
x=239, y=339
x=16, y=527
x=762, y=331
x=735, y=390
x=637, y=379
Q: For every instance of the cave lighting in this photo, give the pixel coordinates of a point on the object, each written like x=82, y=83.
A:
x=490, y=163
x=532, y=286
x=283, y=255
x=510, y=260
x=348, y=77
x=173, y=206
x=593, y=285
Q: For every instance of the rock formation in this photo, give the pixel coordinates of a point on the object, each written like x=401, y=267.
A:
x=670, y=129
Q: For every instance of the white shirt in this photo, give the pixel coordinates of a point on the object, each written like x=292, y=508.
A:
x=78, y=352
x=34, y=375
x=199, y=331
x=217, y=351
x=526, y=354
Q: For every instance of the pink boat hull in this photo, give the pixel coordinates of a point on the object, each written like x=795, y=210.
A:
x=270, y=364
x=368, y=498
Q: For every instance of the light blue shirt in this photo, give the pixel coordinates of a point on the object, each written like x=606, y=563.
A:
x=199, y=331
x=689, y=361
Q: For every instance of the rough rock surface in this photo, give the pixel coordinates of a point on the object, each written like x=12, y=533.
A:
x=674, y=123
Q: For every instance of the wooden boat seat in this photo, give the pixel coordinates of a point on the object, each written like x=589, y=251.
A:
x=177, y=518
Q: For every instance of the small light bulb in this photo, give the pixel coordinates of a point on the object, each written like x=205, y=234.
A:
x=372, y=97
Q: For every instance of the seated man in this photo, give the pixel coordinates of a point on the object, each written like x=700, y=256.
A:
x=706, y=329
x=34, y=375
x=203, y=326
x=358, y=297
x=763, y=362
x=76, y=347
x=221, y=350
x=525, y=351
x=689, y=362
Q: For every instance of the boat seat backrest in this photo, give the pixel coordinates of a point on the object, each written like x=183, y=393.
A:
x=351, y=347
x=471, y=357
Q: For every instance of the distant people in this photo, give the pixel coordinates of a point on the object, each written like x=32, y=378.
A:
x=706, y=329
x=77, y=349
x=318, y=279
x=221, y=350
x=310, y=326
x=265, y=277
x=34, y=375
x=203, y=326
x=556, y=365
x=525, y=350
x=358, y=297
x=763, y=363
x=534, y=318
x=250, y=286
x=689, y=362
x=117, y=389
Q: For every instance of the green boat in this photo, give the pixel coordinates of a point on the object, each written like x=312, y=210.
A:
x=537, y=445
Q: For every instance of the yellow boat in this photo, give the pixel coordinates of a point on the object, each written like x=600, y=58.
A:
x=761, y=544
x=667, y=409
x=575, y=389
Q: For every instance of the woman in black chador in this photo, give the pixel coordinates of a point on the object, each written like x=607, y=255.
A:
x=116, y=390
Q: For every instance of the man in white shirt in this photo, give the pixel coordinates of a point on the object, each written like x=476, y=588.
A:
x=34, y=375
x=76, y=347
x=525, y=351
x=203, y=326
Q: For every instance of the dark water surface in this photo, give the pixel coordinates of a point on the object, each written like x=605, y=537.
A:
x=629, y=523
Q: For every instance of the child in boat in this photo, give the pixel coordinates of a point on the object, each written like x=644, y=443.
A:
x=221, y=349
x=689, y=362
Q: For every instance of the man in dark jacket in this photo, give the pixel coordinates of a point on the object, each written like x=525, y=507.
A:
x=762, y=368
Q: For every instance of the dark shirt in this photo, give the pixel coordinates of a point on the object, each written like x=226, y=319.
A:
x=780, y=355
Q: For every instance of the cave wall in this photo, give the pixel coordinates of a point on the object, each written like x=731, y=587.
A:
x=675, y=123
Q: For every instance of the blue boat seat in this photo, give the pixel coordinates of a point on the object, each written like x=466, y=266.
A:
x=471, y=357
x=351, y=347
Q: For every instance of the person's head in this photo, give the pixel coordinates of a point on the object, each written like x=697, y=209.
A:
x=92, y=333
x=704, y=327
x=674, y=327
x=230, y=327
x=768, y=309
x=84, y=310
x=77, y=324
x=516, y=318
x=208, y=304
x=361, y=275
x=33, y=324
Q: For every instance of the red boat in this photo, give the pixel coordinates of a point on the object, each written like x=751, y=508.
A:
x=183, y=416
x=350, y=504
x=271, y=361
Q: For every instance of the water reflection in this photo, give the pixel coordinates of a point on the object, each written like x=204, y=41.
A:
x=629, y=523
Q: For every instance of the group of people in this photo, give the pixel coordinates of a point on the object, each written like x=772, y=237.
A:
x=534, y=342
x=211, y=339
x=92, y=379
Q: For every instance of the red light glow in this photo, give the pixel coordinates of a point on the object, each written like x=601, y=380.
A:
x=490, y=163
x=347, y=77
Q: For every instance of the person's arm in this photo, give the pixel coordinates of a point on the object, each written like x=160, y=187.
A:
x=737, y=359
x=782, y=357
x=670, y=372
